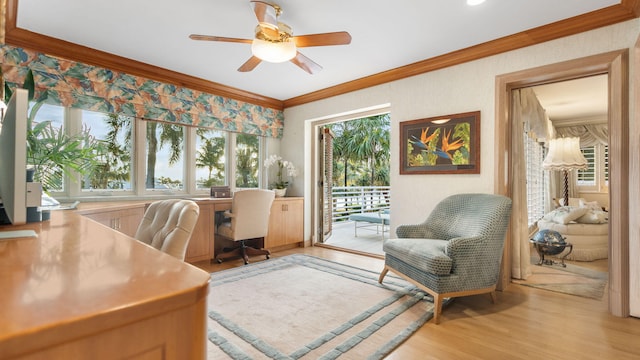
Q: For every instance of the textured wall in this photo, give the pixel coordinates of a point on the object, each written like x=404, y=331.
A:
x=462, y=88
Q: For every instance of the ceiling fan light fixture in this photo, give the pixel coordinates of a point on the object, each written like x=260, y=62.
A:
x=275, y=52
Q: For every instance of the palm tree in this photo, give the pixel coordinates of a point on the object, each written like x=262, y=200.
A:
x=341, y=150
x=170, y=134
x=115, y=162
x=363, y=143
x=246, y=160
x=209, y=156
x=369, y=142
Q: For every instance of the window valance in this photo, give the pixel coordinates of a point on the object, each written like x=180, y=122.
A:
x=589, y=134
x=71, y=84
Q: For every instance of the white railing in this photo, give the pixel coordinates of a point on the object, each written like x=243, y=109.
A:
x=359, y=199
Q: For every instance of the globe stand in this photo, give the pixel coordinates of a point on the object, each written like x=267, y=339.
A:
x=545, y=249
x=548, y=242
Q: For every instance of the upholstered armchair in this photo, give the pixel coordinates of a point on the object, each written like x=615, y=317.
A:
x=167, y=226
x=456, y=252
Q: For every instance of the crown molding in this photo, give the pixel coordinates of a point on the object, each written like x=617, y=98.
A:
x=626, y=10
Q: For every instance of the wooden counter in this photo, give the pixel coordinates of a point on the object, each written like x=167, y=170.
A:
x=80, y=290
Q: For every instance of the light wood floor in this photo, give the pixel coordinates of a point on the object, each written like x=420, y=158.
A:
x=525, y=323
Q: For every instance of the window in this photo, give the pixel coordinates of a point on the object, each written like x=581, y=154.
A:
x=136, y=157
x=595, y=178
x=587, y=177
x=114, y=171
x=210, y=158
x=247, y=160
x=164, y=156
x=536, y=180
x=48, y=123
x=606, y=165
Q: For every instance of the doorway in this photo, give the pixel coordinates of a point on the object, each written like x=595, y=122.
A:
x=615, y=66
x=579, y=109
x=348, y=179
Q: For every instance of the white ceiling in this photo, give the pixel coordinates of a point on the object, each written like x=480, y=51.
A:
x=385, y=34
x=576, y=101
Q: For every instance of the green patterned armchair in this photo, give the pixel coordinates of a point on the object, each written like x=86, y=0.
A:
x=455, y=252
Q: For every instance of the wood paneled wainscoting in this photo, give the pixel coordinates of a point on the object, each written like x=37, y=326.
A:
x=286, y=230
x=286, y=223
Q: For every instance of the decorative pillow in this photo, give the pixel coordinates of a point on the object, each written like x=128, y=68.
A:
x=592, y=205
x=574, y=202
x=594, y=217
x=566, y=214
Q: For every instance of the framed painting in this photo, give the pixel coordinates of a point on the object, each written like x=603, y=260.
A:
x=441, y=145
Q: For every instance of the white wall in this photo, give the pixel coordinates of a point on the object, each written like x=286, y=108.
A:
x=458, y=89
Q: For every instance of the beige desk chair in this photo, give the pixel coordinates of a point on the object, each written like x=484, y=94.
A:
x=167, y=226
x=249, y=220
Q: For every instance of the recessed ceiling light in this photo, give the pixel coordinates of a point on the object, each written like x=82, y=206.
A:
x=474, y=2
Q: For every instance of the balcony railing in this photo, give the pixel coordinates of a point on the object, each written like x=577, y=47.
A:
x=359, y=199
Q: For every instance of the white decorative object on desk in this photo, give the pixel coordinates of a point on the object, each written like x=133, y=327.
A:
x=280, y=185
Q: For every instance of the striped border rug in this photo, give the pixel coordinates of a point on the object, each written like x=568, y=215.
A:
x=303, y=307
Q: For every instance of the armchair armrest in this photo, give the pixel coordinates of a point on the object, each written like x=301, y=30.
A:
x=414, y=231
x=464, y=247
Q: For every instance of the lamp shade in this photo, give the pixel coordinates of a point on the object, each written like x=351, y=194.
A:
x=275, y=52
x=564, y=154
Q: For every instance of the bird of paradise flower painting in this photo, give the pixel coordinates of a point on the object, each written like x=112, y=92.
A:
x=444, y=144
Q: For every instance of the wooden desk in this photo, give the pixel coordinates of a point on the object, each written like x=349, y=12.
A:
x=286, y=226
x=81, y=290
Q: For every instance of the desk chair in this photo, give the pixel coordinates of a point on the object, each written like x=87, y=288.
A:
x=167, y=226
x=249, y=220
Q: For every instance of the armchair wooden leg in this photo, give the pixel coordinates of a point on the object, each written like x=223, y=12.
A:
x=437, y=308
x=494, y=298
x=383, y=274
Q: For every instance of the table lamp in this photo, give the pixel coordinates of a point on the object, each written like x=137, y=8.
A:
x=565, y=155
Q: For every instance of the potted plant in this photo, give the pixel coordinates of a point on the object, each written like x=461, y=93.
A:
x=281, y=184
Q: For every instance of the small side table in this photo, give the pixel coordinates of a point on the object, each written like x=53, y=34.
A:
x=551, y=249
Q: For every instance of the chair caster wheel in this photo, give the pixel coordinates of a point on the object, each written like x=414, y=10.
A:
x=219, y=261
x=267, y=257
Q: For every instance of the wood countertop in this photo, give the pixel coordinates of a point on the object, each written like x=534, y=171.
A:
x=78, y=278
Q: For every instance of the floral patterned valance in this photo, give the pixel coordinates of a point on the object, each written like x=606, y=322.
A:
x=71, y=84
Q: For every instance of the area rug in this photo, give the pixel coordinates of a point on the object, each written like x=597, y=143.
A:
x=572, y=280
x=303, y=307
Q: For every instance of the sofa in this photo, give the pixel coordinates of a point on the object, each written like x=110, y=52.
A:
x=585, y=226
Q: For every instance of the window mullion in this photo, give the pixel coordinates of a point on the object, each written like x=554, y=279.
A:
x=231, y=170
x=190, y=161
x=140, y=148
x=73, y=123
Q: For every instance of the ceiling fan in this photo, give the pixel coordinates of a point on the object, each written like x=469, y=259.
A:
x=274, y=41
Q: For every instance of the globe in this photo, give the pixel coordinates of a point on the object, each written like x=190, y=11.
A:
x=549, y=242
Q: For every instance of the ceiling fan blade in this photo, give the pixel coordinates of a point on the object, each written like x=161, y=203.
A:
x=218, y=38
x=266, y=13
x=324, y=39
x=250, y=64
x=306, y=64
